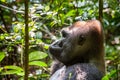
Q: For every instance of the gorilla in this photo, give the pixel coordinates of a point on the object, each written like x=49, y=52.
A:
x=79, y=54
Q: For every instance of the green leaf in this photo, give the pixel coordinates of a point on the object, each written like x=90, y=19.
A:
x=46, y=46
x=1, y=68
x=38, y=35
x=9, y=72
x=2, y=55
x=38, y=63
x=105, y=78
x=47, y=8
x=70, y=13
x=3, y=0
x=20, y=73
x=13, y=72
x=37, y=55
x=2, y=37
x=113, y=73
x=14, y=68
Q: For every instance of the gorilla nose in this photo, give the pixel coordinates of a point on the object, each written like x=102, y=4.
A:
x=58, y=43
x=64, y=33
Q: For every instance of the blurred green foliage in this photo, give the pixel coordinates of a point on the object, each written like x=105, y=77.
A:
x=46, y=18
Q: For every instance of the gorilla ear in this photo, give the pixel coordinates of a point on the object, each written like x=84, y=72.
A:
x=81, y=40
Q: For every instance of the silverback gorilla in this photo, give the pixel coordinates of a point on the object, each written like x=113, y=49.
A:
x=79, y=54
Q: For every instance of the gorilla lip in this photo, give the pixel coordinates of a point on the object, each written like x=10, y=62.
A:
x=55, y=49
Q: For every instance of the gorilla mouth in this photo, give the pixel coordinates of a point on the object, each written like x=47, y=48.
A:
x=56, y=48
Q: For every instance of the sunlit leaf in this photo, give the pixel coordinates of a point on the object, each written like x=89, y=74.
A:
x=37, y=55
x=13, y=72
x=1, y=68
x=113, y=73
x=13, y=68
x=20, y=73
x=38, y=63
x=38, y=35
x=9, y=72
x=47, y=8
x=2, y=37
x=3, y=0
x=46, y=46
x=70, y=13
x=105, y=78
x=2, y=55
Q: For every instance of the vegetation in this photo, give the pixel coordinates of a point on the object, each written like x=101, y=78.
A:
x=46, y=18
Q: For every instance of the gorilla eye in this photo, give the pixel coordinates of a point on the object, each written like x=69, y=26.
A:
x=81, y=40
x=64, y=33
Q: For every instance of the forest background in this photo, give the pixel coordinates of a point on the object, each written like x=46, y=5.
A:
x=46, y=18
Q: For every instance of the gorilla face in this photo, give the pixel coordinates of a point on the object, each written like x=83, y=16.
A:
x=73, y=44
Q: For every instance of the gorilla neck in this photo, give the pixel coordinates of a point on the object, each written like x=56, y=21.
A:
x=96, y=60
x=78, y=59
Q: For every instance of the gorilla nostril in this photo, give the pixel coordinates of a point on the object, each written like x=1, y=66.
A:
x=61, y=44
x=64, y=33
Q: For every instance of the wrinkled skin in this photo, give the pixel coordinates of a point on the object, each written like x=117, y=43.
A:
x=81, y=42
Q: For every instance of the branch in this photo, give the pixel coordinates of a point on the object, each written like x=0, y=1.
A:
x=46, y=30
x=100, y=10
x=3, y=20
x=11, y=9
x=26, y=54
